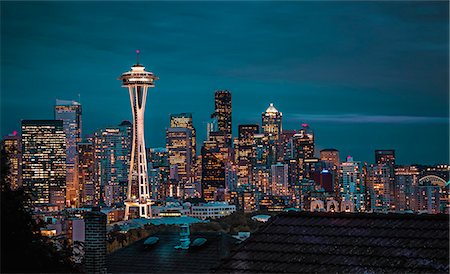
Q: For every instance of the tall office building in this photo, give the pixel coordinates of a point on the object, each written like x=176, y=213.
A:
x=12, y=146
x=95, y=242
x=112, y=161
x=44, y=162
x=351, y=184
x=222, y=99
x=184, y=120
x=179, y=148
x=261, y=150
x=272, y=122
x=213, y=171
x=286, y=147
x=279, y=180
x=245, y=141
x=89, y=188
x=158, y=162
x=330, y=155
x=303, y=143
x=245, y=151
x=70, y=113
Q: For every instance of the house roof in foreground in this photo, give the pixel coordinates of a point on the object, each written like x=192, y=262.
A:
x=294, y=242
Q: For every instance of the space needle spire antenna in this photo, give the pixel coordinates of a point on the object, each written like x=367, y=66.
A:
x=137, y=81
x=137, y=56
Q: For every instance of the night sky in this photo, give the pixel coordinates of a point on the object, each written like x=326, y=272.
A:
x=364, y=75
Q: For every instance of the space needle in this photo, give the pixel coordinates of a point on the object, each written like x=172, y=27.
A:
x=138, y=195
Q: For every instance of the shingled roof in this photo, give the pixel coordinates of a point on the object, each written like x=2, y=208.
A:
x=296, y=242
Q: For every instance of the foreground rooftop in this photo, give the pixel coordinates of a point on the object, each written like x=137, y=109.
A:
x=295, y=242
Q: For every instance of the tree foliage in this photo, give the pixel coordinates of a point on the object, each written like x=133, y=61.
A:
x=23, y=249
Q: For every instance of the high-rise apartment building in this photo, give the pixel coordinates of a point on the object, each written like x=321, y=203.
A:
x=406, y=179
x=70, y=113
x=12, y=147
x=222, y=99
x=387, y=157
x=378, y=187
x=44, y=162
x=351, y=184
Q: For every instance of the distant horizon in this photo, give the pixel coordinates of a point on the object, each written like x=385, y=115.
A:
x=374, y=79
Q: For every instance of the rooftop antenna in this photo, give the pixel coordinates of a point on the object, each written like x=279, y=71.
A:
x=137, y=56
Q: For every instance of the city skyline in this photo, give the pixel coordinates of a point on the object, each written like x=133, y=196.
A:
x=306, y=83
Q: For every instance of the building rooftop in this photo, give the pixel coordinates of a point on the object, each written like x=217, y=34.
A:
x=294, y=242
x=164, y=258
x=271, y=109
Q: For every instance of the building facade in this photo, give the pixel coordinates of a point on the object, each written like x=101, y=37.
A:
x=70, y=113
x=44, y=162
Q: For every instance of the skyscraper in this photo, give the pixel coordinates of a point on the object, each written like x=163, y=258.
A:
x=179, y=148
x=12, y=146
x=213, y=171
x=137, y=81
x=70, y=113
x=158, y=161
x=222, y=112
x=44, y=161
x=272, y=128
x=184, y=120
x=245, y=151
x=303, y=143
x=280, y=179
x=89, y=188
x=272, y=122
x=245, y=141
x=112, y=160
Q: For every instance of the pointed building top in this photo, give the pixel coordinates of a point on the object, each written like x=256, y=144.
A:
x=271, y=109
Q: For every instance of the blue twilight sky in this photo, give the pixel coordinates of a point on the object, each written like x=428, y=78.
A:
x=364, y=75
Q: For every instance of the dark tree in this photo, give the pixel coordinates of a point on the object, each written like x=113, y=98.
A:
x=23, y=249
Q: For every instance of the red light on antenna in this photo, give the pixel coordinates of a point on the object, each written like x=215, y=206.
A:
x=305, y=125
x=15, y=132
x=138, y=51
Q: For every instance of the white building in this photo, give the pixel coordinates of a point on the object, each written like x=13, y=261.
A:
x=212, y=210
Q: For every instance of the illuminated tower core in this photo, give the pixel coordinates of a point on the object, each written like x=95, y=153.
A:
x=138, y=81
